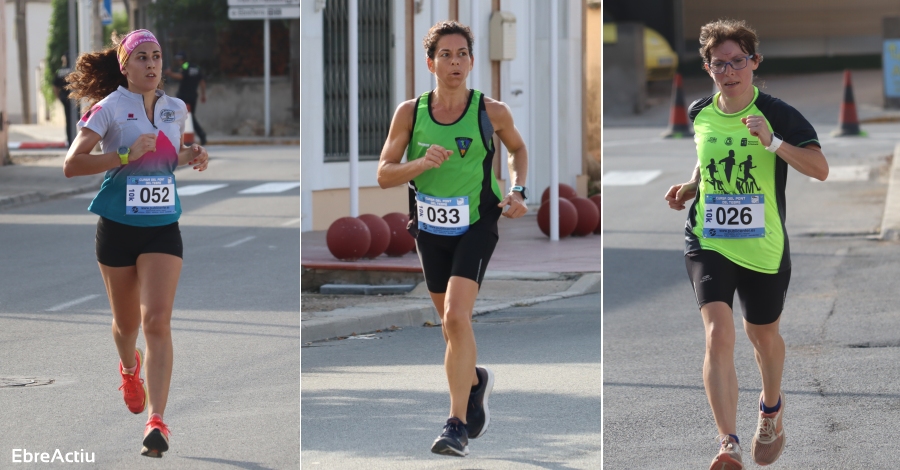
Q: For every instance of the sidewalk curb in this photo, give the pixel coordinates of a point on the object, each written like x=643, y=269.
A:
x=7, y=202
x=890, y=221
x=361, y=320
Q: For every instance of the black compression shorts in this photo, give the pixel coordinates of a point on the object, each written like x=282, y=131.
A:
x=465, y=255
x=119, y=245
x=715, y=279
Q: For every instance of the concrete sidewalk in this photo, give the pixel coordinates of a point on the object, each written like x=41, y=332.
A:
x=526, y=269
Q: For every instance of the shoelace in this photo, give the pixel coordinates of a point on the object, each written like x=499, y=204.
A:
x=158, y=424
x=128, y=383
x=454, y=426
x=727, y=442
x=766, y=433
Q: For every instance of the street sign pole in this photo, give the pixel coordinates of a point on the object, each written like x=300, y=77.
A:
x=353, y=98
x=264, y=10
x=268, y=79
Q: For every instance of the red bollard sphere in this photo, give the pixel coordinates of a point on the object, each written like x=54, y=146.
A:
x=380, y=232
x=588, y=216
x=568, y=218
x=565, y=192
x=348, y=238
x=401, y=241
x=596, y=199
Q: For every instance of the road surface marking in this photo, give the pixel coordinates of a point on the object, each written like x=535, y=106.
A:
x=242, y=240
x=195, y=189
x=629, y=178
x=271, y=188
x=837, y=174
x=291, y=222
x=72, y=303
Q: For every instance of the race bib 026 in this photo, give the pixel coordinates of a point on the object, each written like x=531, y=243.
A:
x=443, y=215
x=150, y=195
x=734, y=216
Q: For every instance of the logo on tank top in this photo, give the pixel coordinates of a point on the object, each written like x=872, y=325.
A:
x=462, y=143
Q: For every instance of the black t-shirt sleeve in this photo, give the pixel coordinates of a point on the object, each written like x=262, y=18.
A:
x=695, y=107
x=787, y=123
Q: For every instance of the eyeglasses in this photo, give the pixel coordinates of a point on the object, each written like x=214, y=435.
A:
x=736, y=64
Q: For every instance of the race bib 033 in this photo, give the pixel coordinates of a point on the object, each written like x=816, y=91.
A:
x=443, y=216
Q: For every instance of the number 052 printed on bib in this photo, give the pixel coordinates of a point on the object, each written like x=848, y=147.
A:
x=734, y=216
x=150, y=195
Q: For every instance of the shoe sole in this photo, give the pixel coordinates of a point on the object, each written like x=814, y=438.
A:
x=146, y=397
x=726, y=463
x=441, y=447
x=154, y=444
x=487, y=412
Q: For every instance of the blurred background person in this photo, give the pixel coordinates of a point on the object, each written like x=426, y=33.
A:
x=190, y=78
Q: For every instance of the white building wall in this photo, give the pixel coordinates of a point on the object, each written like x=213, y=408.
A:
x=37, y=24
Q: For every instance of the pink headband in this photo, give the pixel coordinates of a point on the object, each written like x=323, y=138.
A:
x=132, y=40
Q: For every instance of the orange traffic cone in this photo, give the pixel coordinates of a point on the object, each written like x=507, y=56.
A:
x=678, y=118
x=189, y=128
x=848, y=122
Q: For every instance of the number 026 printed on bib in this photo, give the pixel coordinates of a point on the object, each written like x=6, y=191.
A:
x=734, y=216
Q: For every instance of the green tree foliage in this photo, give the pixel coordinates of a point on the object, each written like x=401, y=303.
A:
x=57, y=45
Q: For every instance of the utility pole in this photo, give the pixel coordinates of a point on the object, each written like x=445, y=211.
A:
x=24, y=70
x=4, y=125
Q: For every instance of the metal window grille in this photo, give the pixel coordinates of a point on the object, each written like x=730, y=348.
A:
x=375, y=44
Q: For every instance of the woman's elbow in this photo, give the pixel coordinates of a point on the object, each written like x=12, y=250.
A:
x=68, y=170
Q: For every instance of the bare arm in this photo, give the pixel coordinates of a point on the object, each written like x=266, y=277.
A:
x=517, y=159
x=194, y=155
x=391, y=172
x=681, y=193
x=807, y=160
x=80, y=161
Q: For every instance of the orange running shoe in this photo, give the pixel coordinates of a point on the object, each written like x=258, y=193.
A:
x=729, y=457
x=156, y=437
x=769, y=441
x=133, y=388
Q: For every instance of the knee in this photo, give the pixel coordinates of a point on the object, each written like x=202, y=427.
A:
x=764, y=338
x=720, y=340
x=126, y=328
x=456, y=320
x=157, y=325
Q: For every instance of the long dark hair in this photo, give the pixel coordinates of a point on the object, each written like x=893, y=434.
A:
x=97, y=74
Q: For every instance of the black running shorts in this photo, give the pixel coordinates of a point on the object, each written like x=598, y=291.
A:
x=465, y=255
x=715, y=279
x=119, y=245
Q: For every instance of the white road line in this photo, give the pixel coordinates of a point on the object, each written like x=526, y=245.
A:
x=88, y=195
x=838, y=174
x=271, y=188
x=291, y=222
x=242, y=240
x=195, y=189
x=72, y=303
x=629, y=178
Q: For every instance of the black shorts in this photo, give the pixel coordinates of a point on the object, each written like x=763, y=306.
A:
x=465, y=255
x=715, y=279
x=119, y=245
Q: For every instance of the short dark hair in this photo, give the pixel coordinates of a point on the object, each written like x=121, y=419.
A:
x=715, y=33
x=442, y=29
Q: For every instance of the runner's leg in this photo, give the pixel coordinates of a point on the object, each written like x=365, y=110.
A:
x=158, y=274
x=768, y=347
x=123, y=291
x=461, y=355
x=438, y=300
x=719, y=375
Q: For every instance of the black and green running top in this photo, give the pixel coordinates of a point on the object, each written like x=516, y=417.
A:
x=469, y=170
x=740, y=207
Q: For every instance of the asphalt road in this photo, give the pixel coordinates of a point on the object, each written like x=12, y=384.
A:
x=840, y=321
x=379, y=403
x=236, y=327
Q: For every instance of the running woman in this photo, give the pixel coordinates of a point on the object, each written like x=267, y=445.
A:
x=736, y=240
x=138, y=242
x=455, y=203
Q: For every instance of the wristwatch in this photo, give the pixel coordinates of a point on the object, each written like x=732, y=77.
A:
x=123, y=154
x=520, y=190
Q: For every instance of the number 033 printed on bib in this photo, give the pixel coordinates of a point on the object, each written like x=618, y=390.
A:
x=443, y=215
x=734, y=216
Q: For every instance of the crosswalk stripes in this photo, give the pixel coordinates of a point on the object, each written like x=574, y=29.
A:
x=269, y=188
x=195, y=189
x=629, y=178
